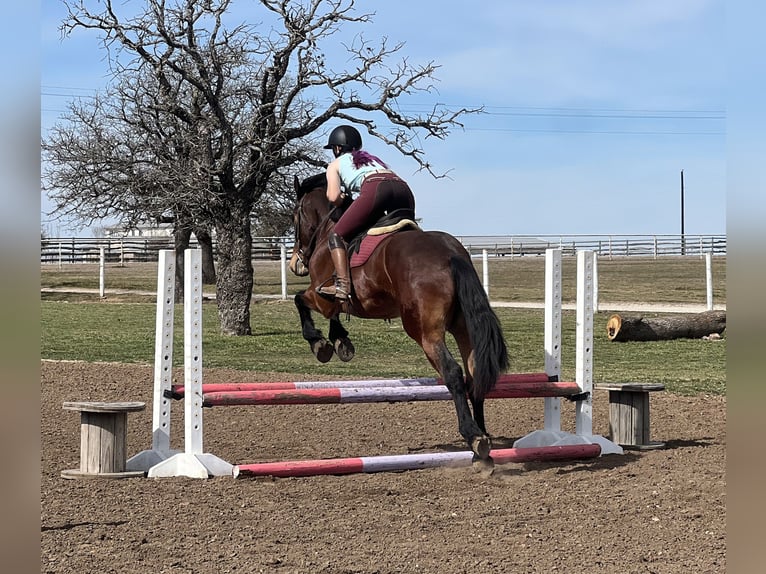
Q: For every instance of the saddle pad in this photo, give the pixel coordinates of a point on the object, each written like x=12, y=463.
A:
x=369, y=243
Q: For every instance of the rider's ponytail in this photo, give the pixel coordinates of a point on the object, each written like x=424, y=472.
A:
x=362, y=157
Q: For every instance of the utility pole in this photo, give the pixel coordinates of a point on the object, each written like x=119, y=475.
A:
x=683, y=236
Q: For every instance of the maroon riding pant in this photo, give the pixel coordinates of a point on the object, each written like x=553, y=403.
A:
x=380, y=193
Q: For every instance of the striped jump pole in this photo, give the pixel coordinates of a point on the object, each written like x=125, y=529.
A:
x=177, y=391
x=371, y=464
x=379, y=394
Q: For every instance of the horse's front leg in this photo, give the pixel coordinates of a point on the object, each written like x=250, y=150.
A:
x=344, y=348
x=321, y=347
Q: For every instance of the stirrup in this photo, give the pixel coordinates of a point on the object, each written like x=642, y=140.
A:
x=334, y=290
x=341, y=295
x=340, y=292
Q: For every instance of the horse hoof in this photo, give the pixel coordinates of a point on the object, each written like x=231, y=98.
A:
x=344, y=348
x=481, y=446
x=322, y=350
x=483, y=467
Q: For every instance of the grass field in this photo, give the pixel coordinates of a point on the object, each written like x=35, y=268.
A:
x=121, y=328
x=665, y=279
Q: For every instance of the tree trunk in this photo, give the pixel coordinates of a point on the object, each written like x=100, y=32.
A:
x=694, y=326
x=234, y=287
x=208, y=261
x=181, y=237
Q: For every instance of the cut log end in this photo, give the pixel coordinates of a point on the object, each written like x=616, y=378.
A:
x=613, y=325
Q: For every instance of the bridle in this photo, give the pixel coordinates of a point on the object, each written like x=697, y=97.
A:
x=304, y=253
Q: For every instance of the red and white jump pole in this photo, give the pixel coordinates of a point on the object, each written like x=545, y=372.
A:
x=333, y=395
x=370, y=464
x=505, y=379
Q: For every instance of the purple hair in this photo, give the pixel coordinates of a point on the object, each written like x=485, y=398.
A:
x=362, y=157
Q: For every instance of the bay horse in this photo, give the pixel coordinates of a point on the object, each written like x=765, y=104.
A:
x=427, y=279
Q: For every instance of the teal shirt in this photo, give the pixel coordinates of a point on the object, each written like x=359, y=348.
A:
x=351, y=177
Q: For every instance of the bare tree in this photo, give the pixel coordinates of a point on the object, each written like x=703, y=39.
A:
x=213, y=116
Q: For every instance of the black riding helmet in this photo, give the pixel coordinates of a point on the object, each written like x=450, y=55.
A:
x=347, y=137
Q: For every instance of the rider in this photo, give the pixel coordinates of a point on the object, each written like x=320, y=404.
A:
x=380, y=191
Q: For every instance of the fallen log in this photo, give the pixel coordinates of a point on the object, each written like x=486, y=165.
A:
x=693, y=326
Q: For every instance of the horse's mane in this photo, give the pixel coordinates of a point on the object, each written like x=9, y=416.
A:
x=318, y=180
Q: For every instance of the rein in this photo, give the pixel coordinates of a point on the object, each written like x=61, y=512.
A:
x=305, y=254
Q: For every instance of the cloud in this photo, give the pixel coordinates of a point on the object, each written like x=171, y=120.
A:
x=628, y=24
x=562, y=53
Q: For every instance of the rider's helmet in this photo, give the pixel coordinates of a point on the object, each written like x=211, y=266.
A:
x=347, y=137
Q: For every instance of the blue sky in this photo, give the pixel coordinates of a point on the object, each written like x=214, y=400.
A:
x=593, y=109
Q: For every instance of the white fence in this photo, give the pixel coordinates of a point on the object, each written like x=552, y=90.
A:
x=603, y=245
x=139, y=249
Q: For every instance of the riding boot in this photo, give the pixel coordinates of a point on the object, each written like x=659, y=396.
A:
x=341, y=289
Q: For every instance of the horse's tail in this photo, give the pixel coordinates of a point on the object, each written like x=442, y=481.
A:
x=490, y=353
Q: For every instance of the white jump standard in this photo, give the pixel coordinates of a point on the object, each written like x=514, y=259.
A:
x=193, y=462
x=552, y=433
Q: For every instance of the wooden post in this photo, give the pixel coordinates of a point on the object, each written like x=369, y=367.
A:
x=629, y=420
x=103, y=438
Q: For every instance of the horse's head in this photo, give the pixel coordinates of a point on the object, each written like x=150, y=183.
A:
x=310, y=219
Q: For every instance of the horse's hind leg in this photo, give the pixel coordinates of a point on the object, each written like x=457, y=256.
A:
x=466, y=352
x=478, y=412
x=321, y=347
x=443, y=361
x=344, y=348
x=431, y=339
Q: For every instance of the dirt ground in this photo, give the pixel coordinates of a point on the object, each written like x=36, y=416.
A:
x=661, y=511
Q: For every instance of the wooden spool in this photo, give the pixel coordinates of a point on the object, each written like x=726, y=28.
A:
x=103, y=439
x=629, y=420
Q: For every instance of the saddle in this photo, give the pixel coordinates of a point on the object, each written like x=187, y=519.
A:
x=363, y=245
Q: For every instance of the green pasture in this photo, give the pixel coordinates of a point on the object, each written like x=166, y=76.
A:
x=121, y=329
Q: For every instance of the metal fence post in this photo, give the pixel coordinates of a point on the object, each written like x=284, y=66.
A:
x=101, y=266
x=283, y=267
x=709, y=279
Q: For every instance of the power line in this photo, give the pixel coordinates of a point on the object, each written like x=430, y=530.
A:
x=603, y=115
x=533, y=111
x=613, y=132
x=67, y=95
x=50, y=87
x=624, y=110
x=580, y=112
